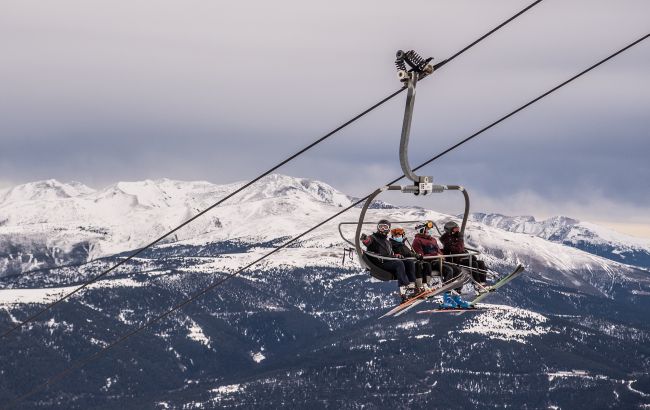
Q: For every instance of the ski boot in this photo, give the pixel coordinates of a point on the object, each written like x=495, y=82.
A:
x=448, y=302
x=411, y=290
x=403, y=294
x=461, y=303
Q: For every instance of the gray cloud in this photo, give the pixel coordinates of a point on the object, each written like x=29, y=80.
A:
x=222, y=90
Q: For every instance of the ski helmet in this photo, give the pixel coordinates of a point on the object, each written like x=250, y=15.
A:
x=397, y=232
x=424, y=227
x=383, y=226
x=449, y=226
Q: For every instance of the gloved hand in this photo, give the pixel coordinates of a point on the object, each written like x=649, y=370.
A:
x=364, y=236
x=398, y=256
x=419, y=257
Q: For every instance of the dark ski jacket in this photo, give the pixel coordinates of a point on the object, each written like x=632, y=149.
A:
x=452, y=244
x=400, y=248
x=426, y=245
x=378, y=244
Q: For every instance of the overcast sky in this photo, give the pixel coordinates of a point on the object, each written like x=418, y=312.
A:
x=114, y=90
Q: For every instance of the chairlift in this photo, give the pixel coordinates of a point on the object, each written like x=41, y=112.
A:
x=410, y=68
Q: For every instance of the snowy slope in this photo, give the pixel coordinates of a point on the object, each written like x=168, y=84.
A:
x=582, y=235
x=55, y=217
x=43, y=190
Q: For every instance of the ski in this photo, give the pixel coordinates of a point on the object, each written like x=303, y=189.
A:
x=503, y=281
x=452, y=310
x=414, y=301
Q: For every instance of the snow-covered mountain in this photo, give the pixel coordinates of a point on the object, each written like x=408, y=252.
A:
x=48, y=222
x=300, y=329
x=587, y=236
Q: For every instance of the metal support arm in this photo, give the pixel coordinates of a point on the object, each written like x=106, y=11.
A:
x=420, y=67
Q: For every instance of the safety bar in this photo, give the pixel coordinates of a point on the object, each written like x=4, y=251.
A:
x=375, y=223
x=390, y=258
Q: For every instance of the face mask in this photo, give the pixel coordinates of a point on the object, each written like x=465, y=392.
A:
x=399, y=238
x=430, y=232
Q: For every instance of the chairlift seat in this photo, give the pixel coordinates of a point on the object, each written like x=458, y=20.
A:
x=377, y=272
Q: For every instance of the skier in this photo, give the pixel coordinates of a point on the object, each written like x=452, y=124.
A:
x=454, y=244
x=379, y=244
x=397, y=242
x=425, y=244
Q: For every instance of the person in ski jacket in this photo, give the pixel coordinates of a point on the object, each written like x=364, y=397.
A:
x=378, y=244
x=400, y=248
x=424, y=244
x=454, y=244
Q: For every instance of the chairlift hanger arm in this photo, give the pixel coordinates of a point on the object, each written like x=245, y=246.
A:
x=466, y=212
x=419, y=68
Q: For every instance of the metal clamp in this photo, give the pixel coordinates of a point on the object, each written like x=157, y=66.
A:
x=415, y=63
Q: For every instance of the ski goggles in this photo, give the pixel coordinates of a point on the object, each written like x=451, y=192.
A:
x=383, y=227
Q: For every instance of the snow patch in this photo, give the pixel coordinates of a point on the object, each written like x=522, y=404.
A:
x=109, y=382
x=222, y=392
x=229, y=389
x=507, y=323
x=563, y=374
x=258, y=357
x=411, y=324
x=632, y=389
x=46, y=295
x=195, y=332
x=53, y=325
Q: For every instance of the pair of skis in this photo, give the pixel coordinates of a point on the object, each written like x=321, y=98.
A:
x=409, y=304
x=455, y=283
x=483, y=293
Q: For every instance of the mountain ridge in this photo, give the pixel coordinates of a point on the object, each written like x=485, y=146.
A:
x=127, y=215
x=582, y=235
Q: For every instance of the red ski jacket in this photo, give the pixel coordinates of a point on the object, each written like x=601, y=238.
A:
x=426, y=245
